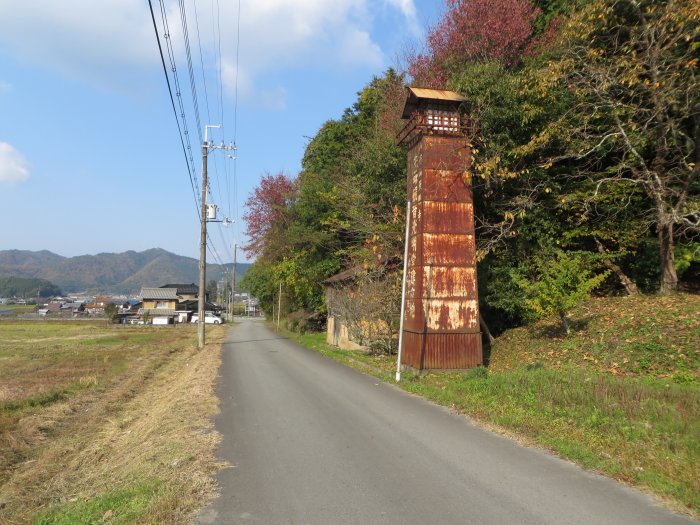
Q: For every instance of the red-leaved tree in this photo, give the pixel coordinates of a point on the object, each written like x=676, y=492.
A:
x=473, y=31
x=266, y=211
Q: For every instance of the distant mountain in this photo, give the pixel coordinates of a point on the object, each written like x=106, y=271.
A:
x=123, y=272
x=22, y=287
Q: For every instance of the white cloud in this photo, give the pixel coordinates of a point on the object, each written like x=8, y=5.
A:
x=80, y=37
x=277, y=34
x=13, y=166
x=93, y=39
x=273, y=99
x=407, y=7
x=5, y=87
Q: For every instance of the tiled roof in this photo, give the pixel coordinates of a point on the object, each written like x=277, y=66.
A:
x=183, y=288
x=347, y=275
x=158, y=293
x=157, y=311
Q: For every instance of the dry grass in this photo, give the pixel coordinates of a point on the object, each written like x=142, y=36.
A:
x=121, y=433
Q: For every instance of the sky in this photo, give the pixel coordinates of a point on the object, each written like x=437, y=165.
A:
x=91, y=159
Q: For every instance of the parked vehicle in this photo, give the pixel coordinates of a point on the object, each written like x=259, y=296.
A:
x=209, y=318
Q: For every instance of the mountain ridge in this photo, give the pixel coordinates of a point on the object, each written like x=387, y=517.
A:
x=123, y=272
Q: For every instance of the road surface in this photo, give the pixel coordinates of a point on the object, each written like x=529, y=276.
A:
x=314, y=442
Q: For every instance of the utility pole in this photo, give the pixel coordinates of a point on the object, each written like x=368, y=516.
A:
x=203, y=232
x=233, y=281
x=279, y=305
x=203, y=247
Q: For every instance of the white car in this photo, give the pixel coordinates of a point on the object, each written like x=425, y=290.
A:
x=209, y=318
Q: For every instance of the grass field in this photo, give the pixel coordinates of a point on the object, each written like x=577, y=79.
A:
x=105, y=423
x=621, y=396
x=16, y=309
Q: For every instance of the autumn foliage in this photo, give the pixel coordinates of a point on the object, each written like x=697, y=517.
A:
x=473, y=31
x=266, y=209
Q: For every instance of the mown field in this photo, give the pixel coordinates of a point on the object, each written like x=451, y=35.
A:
x=620, y=396
x=12, y=310
x=105, y=423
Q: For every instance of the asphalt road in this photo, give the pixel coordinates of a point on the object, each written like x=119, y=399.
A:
x=314, y=442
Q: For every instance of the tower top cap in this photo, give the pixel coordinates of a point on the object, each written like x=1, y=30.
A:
x=423, y=98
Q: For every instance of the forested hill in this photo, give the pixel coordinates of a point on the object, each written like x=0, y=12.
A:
x=123, y=272
x=585, y=134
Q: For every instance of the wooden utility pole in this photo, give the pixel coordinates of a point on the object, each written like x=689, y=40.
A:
x=202, y=251
x=233, y=281
x=203, y=230
x=279, y=305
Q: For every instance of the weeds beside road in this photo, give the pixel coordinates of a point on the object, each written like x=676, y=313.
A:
x=104, y=422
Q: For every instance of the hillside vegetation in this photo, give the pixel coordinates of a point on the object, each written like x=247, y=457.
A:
x=19, y=287
x=585, y=137
x=620, y=396
x=123, y=272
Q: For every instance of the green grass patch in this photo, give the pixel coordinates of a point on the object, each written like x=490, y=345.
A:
x=120, y=506
x=19, y=308
x=34, y=402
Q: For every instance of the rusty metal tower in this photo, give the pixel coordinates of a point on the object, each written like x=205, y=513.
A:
x=441, y=309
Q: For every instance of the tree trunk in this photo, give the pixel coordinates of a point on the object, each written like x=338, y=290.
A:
x=565, y=323
x=669, y=278
x=629, y=285
x=485, y=329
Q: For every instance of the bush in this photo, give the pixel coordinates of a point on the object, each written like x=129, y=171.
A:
x=559, y=284
x=111, y=312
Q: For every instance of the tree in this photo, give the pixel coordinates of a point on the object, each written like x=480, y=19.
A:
x=473, y=31
x=22, y=287
x=369, y=304
x=111, y=311
x=345, y=205
x=266, y=215
x=560, y=283
x=212, y=290
x=259, y=281
x=632, y=67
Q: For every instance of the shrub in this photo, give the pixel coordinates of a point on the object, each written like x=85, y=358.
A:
x=559, y=284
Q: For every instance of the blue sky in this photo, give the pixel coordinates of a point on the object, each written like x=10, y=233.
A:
x=90, y=156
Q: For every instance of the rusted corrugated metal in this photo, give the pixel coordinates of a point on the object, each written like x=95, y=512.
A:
x=431, y=351
x=441, y=320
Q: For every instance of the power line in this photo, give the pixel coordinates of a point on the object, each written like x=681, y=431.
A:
x=221, y=94
x=201, y=60
x=235, y=124
x=175, y=91
x=176, y=81
x=172, y=101
x=221, y=83
x=190, y=69
x=235, y=96
x=185, y=32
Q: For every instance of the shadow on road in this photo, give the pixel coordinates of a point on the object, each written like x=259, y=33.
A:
x=254, y=340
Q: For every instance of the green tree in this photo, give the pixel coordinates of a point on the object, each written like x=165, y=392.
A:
x=22, y=287
x=212, y=290
x=558, y=284
x=633, y=131
x=111, y=312
x=346, y=205
x=259, y=281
